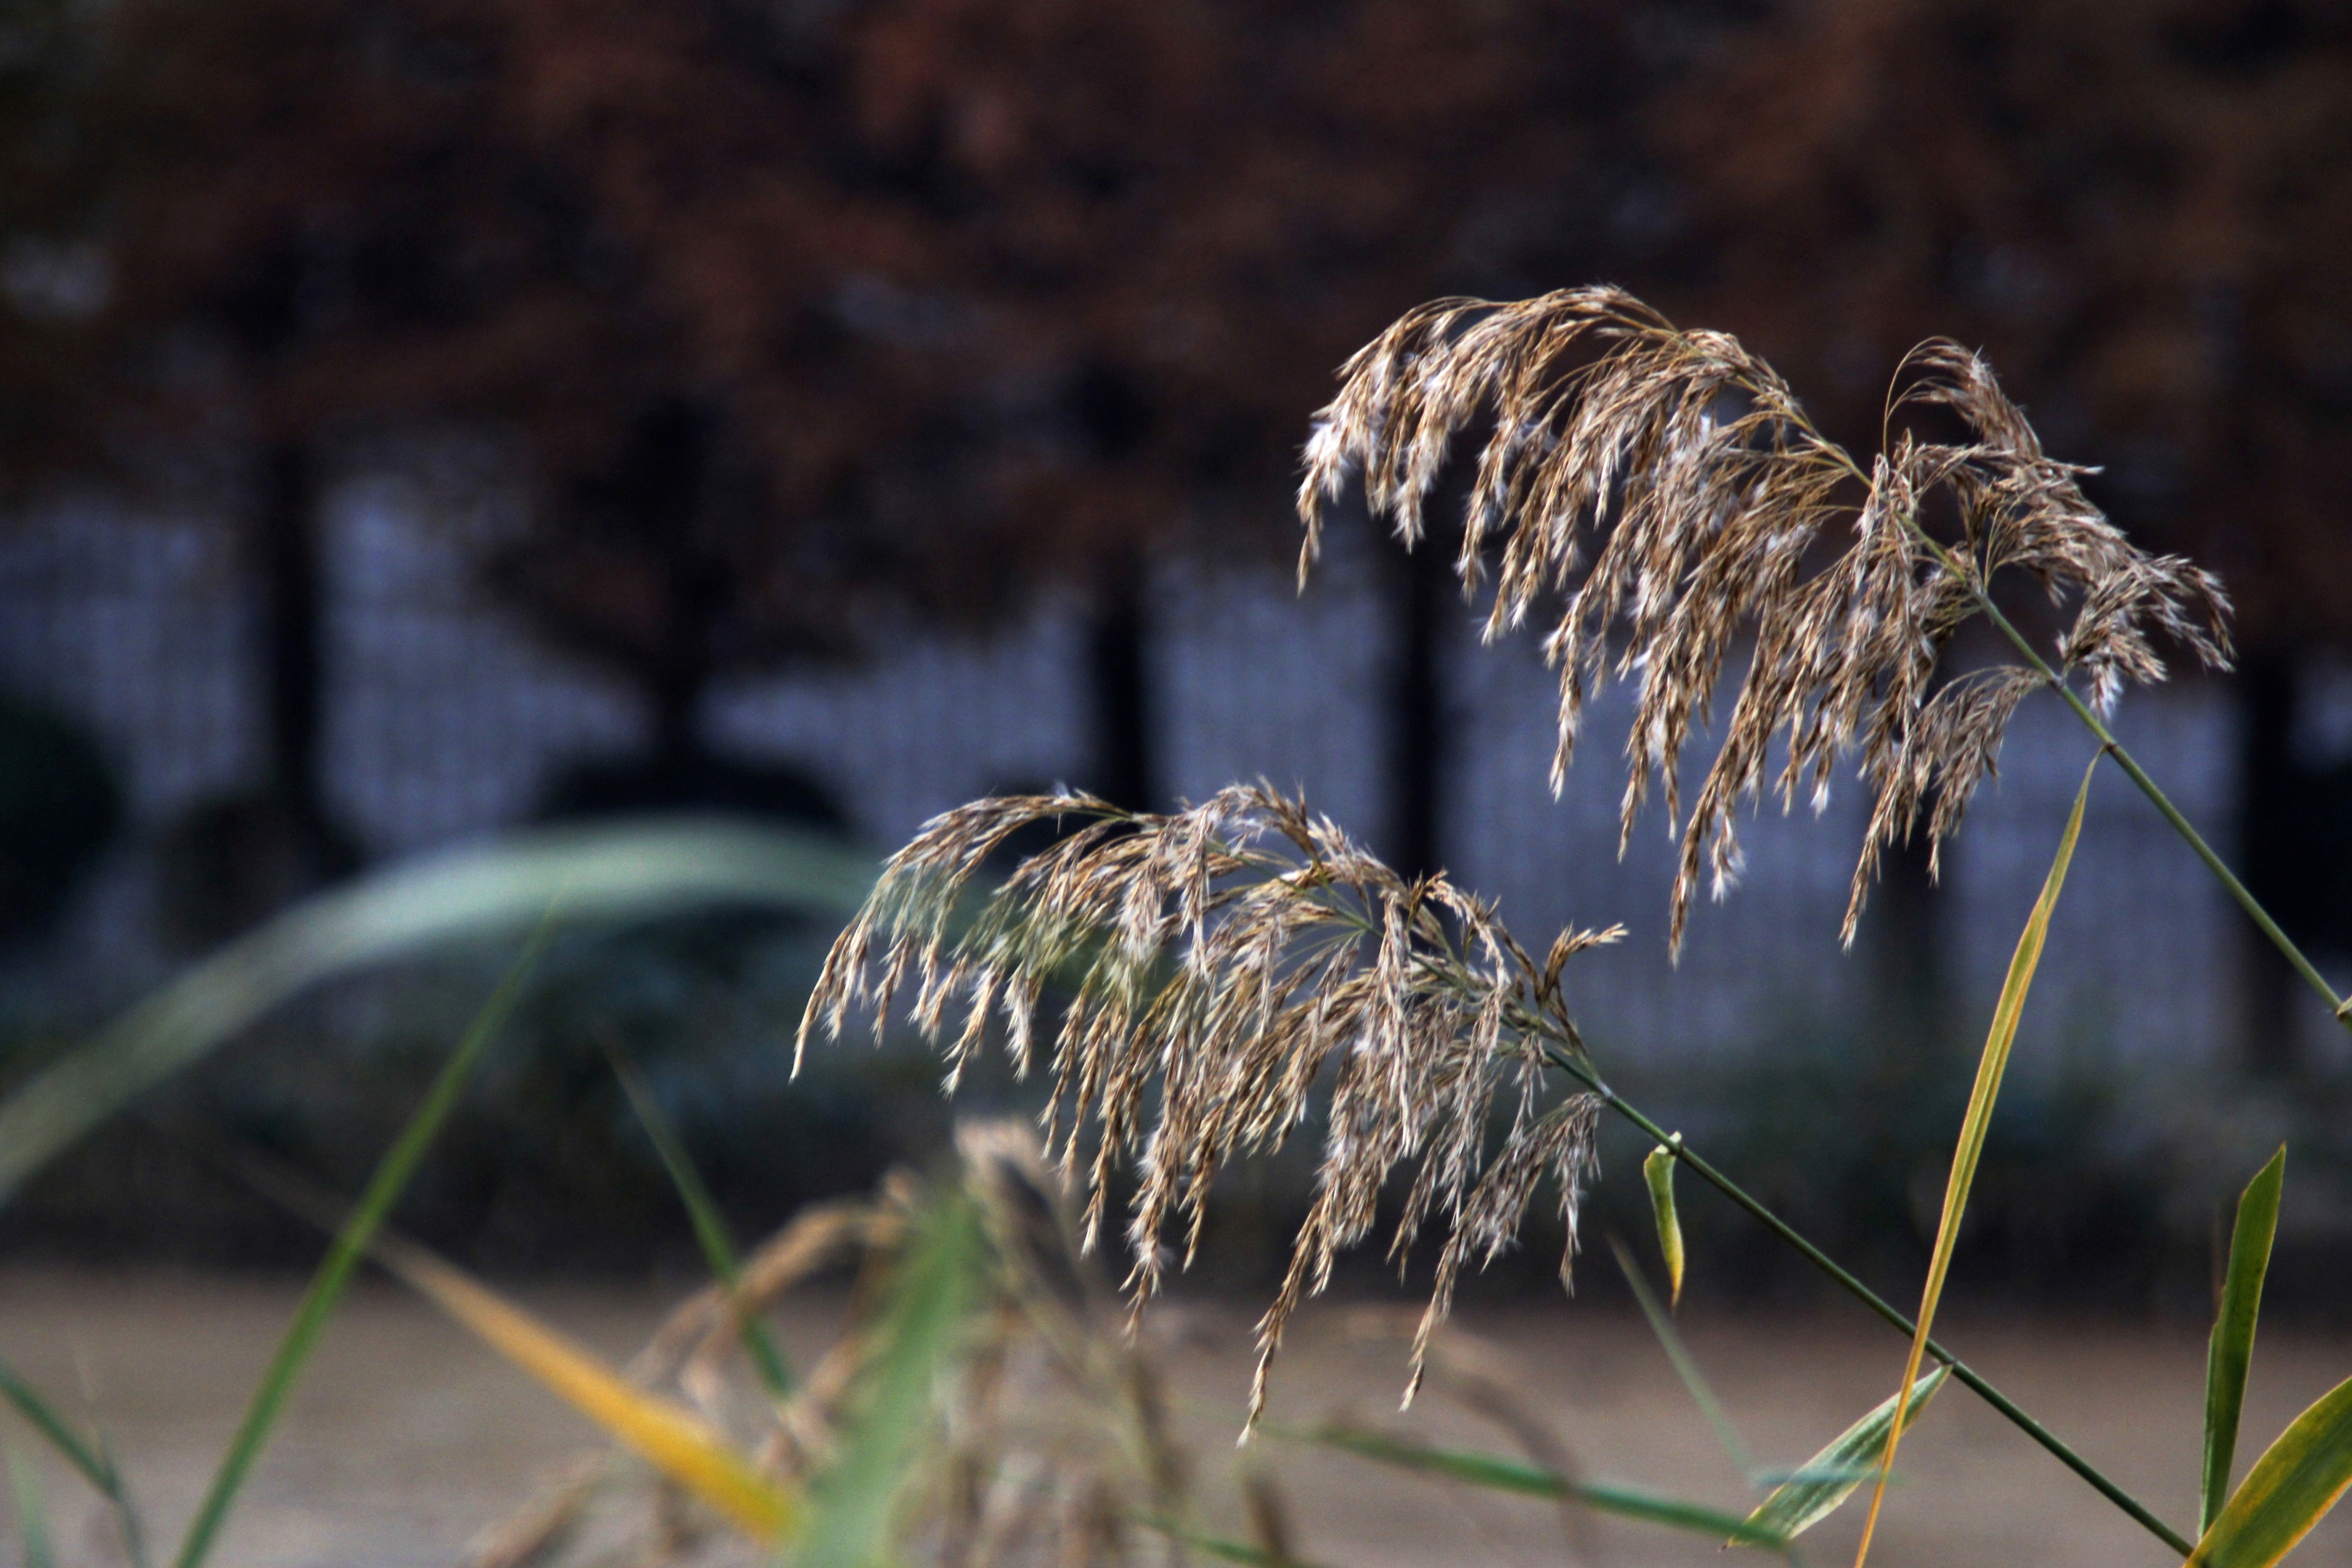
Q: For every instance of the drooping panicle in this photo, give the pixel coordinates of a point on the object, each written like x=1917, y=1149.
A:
x=1667, y=488
x=1206, y=970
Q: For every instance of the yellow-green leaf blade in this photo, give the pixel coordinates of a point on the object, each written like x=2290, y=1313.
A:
x=1658, y=1172
x=1832, y=1476
x=2289, y=1488
x=2231, y=1348
x=1991, y=1066
x=667, y=1436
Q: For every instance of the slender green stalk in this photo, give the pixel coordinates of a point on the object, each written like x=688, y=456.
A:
x=350, y=1244
x=1871, y=1298
x=710, y=1226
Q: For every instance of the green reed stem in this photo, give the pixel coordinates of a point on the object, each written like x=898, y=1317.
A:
x=1871, y=1298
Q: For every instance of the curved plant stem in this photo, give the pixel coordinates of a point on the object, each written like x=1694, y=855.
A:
x=1871, y=1298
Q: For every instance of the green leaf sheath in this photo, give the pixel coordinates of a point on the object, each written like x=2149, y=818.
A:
x=2231, y=1349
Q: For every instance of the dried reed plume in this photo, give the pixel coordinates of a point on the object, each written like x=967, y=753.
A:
x=1224, y=956
x=1683, y=466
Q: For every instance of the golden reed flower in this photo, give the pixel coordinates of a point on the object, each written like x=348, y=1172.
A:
x=1667, y=487
x=1213, y=966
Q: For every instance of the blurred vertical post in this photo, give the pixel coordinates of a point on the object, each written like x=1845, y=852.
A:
x=1421, y=588
x=292, y=629
x=1118, y=679
x=2267, y=802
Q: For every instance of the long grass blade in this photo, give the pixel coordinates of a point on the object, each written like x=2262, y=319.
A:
x=710, y=1226
x=2230, y=1351
x=1658, y=1174
x=937, y=1280
x=604, y=873
x=2291, y=1488
x=1685, y=1365
x=1990, y=1065
x=383, y=1189
x=1823, y=1483
x=665, y=1436
x=1499, y=1474
x=32, y=1509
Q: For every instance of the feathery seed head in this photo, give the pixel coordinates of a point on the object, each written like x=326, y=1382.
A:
x=1231, y=956
x=1667, y=487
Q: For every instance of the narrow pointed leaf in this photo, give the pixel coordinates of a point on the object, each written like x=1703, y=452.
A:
x=1990, y=1065
x=664, y=1435
x=710, y=1226
x=2289, y=1488
x=350, y=1243
x=91, y=1460
x=2231, y=1349
x=1499, y=1474
x=1830, y=1477
x=1658, y=1171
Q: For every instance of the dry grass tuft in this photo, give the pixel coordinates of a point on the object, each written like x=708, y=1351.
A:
x=1213, y=965
x=1046, y=1440
x=1683, y=467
